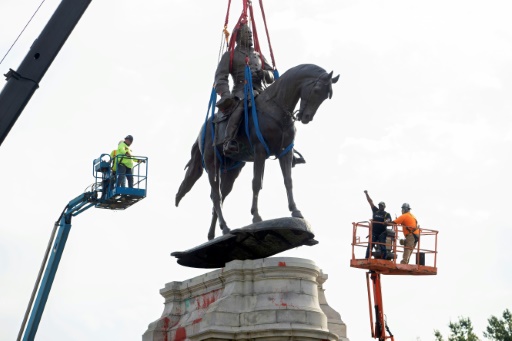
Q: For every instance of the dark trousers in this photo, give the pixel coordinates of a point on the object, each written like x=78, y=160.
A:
x=378, y=238
x=122, y=173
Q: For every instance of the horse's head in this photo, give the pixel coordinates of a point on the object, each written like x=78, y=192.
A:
x=313, y=94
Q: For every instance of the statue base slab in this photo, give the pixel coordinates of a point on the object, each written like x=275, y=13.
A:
x=255, y=241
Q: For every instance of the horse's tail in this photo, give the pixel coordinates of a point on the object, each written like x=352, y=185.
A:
x=194, y=169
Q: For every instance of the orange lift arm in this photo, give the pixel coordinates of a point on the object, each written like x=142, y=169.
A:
x=379, y=331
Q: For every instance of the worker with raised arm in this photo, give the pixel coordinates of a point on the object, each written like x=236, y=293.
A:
x=379, y=218
x=410, y=229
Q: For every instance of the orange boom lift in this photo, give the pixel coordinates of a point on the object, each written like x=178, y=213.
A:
x=424, y=253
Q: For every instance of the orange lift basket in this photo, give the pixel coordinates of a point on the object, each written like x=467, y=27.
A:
x=424, y=257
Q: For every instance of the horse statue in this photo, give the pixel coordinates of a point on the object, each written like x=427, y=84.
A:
x=271, y=132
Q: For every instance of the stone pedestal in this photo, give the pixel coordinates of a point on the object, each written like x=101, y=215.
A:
x=269, y=299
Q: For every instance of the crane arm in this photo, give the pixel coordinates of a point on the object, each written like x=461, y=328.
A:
x=22, y=84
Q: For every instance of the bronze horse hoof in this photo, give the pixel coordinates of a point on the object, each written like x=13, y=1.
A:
x=297, y=214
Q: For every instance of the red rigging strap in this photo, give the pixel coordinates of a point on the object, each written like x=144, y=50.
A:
x=244, y=20
x=268, y=36
x=227, y=14
x=255, y=35
x=241, y=21
x=232, y=41
x=225, y=30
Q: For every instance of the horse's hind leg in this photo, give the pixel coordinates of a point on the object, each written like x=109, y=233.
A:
x=286, y=168
x=215, y=195
x=226, y=186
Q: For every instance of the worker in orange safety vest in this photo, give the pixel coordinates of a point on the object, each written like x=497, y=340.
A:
x=410, y=229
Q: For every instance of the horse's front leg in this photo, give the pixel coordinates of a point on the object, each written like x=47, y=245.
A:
x=286, y=168
x=257, y=181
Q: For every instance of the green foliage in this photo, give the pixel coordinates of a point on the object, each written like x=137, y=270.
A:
x=500, y=330
x=438, y=335
x=460, y=331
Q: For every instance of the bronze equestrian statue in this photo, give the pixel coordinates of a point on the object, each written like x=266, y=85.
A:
x=269, y=132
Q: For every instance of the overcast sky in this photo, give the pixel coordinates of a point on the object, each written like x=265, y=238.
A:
x=421, y=114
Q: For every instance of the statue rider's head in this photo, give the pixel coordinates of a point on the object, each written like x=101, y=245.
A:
x=244, y=36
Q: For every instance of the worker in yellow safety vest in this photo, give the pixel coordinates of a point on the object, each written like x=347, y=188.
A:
x=113, y=160
x=124, y=164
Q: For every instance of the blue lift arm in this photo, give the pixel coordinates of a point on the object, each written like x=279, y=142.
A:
x=74, y=207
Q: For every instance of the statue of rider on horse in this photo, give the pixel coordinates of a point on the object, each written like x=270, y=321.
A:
x=266, y=104
x=230, y=105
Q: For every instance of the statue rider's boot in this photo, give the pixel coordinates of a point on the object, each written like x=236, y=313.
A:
x=297, y=159
x=230, y=145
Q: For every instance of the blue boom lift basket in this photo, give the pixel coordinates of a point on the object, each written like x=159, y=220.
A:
x=110, y=185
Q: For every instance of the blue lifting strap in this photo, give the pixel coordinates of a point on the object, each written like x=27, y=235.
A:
x=248, y=90
x=285, y=151
x=211, y=113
